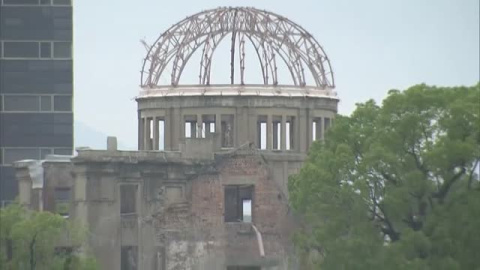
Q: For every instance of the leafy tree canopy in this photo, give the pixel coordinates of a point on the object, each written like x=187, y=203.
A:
x=40, y=240
x=396, y=186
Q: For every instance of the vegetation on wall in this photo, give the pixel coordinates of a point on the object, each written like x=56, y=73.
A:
x=395, y=186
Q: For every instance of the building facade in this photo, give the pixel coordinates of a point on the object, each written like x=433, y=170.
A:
x=207, y=188
x=36, y=84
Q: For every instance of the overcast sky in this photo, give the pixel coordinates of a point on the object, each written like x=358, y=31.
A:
x=373, y=45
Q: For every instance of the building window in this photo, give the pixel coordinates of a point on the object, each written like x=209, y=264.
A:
x=11, y=155
x=20, y=49
x=129, y=258
x=62, y=201
x=290, y=133
x=262, y=132
x=128, y=199
x=20, y=2
x=64, y=151
x=45, y=50
x=327, y=123
x=317, y=131
x=46, y=103
x=62, y=103
x=238, y=203
x=21, y=103
x=62, y=2
x=44, y=152
x=190, y=126
x=37, y=2
x=62, y=50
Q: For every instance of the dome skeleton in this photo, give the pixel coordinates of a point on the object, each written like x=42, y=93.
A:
x=274, y=38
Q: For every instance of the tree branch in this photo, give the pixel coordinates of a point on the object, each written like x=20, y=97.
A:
x=470, y=177
x=389, y=230
x=418, y=163
x=445, y=188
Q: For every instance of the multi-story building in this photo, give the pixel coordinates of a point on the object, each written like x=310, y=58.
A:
x=207, y=188
x=36, y=84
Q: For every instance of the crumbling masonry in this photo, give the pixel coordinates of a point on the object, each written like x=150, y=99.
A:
x=207, y=188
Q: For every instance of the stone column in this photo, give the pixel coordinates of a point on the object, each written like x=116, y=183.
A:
x=146, y=134
x=156, y=137
x=319, y=129
x=24, y=186
x=283, y=135
x=302, y=137
x=269, y=132
x=140, y=132
x=218, y=130
x=177, y=125
x=322, y=123
x=167, y=130
x=295, y=134
x=253, y=131
x=199, y=126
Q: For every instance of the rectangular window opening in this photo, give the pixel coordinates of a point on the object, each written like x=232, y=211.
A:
x=238, y=203
x=262, y=132
x=62, y=50
x=161, y=134
x=46, y=103
x=21, y=103
x=277, y=133
x=327, y=124
x=45, y=50
x=190, y=126
x=20, y=49
x=288, y=131
x=20, y=2
x=128, y=199
x=10, y=155
x=62, y=103
x=208, y=125
x=62, y=201
x=317, y=132
x=129, y=258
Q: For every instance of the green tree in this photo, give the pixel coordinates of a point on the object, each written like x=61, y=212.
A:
x=30, y=239
x=395, y=186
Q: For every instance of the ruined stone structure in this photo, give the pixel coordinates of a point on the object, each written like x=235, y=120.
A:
x=208, y=187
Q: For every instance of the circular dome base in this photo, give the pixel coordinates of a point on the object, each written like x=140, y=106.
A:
x=238, y=90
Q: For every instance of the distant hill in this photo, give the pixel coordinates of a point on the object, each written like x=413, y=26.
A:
x=90, y=137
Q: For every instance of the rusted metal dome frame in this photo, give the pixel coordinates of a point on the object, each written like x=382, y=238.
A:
x=274, y=38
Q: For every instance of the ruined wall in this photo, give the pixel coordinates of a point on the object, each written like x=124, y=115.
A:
x=199, y=238
x=179, y=220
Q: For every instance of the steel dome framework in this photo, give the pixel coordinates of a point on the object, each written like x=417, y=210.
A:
x=274, y=38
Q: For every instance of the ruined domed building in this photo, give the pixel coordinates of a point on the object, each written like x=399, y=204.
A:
x=207, y=188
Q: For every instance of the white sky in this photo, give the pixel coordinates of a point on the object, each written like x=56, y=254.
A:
x=373, y=45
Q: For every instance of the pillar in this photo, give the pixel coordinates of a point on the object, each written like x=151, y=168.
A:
x=156, y=137
x=269, y=132
x=168, y=130
x=322, y=124
x=283, y=135
x=140, y=132
x=146, y=134
x=218, y=130
x=199, y=126
x=302, y=138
